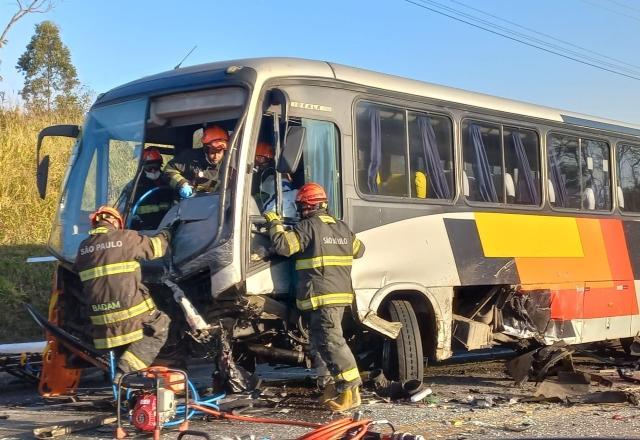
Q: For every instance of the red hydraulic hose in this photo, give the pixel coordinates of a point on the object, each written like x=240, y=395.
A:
x=332, y=431
x=224, y=415
x=338, y=430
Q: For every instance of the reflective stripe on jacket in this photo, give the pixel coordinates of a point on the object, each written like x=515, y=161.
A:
x=324, y=250
x=108, y=266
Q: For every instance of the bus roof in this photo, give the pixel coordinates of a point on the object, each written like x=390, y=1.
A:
x=267, y=68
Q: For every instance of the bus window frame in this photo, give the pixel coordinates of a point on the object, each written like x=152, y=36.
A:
x=612, y=177
x=619, y=210
x=431, y=110
x=511, y=123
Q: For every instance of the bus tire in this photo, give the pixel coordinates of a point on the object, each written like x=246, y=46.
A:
x=402, y=358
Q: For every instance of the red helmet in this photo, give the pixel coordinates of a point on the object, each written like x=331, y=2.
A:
x=106, y=213
x=264, y=149
x=151, y=154
x=311, y=194
x=215, y=133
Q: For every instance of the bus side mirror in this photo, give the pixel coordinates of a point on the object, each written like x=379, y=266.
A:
x=42, y=166
x=292, y=150
x=42, y=176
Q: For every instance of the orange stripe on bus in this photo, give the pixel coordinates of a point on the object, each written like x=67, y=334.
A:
x=617, y=251
x=593, y=266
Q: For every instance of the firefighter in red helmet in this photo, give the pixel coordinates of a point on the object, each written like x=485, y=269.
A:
x=122, y=313
x=196, y=170
x=152, y=199
x=324, y=248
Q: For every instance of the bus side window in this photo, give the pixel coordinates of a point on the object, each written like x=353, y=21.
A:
x=482, y=154
x=390, y=164
x=579, y=172
x=522, y=166
x=628, y=187
x=431, y=154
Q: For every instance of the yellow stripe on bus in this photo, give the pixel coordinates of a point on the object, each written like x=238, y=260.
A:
x=533, y=236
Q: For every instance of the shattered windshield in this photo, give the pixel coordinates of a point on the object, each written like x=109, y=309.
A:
x=105, y=160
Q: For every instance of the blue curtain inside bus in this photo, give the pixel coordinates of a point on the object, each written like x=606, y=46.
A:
x=557, y=179
x=437, y=180
x=526, y=175
x=375, y=151
x=321, y=159
x=481, y=168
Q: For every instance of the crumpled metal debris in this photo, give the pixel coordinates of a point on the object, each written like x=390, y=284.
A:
x=229, y=375
x=414, y=390
x=540, y=363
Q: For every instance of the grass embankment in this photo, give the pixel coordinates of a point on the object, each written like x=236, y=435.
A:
x=25, y=219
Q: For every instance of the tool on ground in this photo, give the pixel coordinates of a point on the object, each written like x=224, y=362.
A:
x=73, y=426
x=151, y=398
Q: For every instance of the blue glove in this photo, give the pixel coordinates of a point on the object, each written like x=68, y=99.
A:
x=185, y=191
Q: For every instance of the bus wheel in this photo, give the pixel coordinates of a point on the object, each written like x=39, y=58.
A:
x=402, y=358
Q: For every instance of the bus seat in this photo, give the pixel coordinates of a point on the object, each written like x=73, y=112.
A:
x=589, y=199
x=552, y=192
x=421, y=184
x=396, y=185
x=465, y=184
x=510, y=187
x=620, y=198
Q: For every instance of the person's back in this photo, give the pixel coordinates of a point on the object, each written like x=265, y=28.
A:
x=324, y=266
x=119, y=306
x=323, y=248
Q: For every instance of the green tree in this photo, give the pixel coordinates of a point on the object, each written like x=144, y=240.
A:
x=51, y=81
x=30, y=7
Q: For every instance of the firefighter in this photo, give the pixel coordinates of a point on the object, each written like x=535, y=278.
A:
x=196, y=170
x=123, y=315
x=149, y=211
x=324, y=248
x=265, y=181
x=263, y=170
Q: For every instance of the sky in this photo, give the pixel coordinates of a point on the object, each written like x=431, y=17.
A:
x=117, y=41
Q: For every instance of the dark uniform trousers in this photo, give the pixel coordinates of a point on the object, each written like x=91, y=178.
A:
x=141, y=353
x=329, y=350
x=323, y=248
x=123, y=315
x=192, y=167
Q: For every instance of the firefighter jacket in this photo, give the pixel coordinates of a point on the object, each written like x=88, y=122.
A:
x=108, y=266
x=324, y=249
x=153, y=207
x=192, y=167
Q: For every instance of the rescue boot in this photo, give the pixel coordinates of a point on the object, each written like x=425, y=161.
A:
x=329, y=393
x=345, y=401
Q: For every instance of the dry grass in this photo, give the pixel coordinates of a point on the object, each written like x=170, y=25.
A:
x=25, y=219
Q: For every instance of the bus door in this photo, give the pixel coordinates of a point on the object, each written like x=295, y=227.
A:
x=319, y=163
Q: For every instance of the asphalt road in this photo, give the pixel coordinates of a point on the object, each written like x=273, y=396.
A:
x=471, y=400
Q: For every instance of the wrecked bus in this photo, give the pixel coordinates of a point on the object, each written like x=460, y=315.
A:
x=486, y=221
